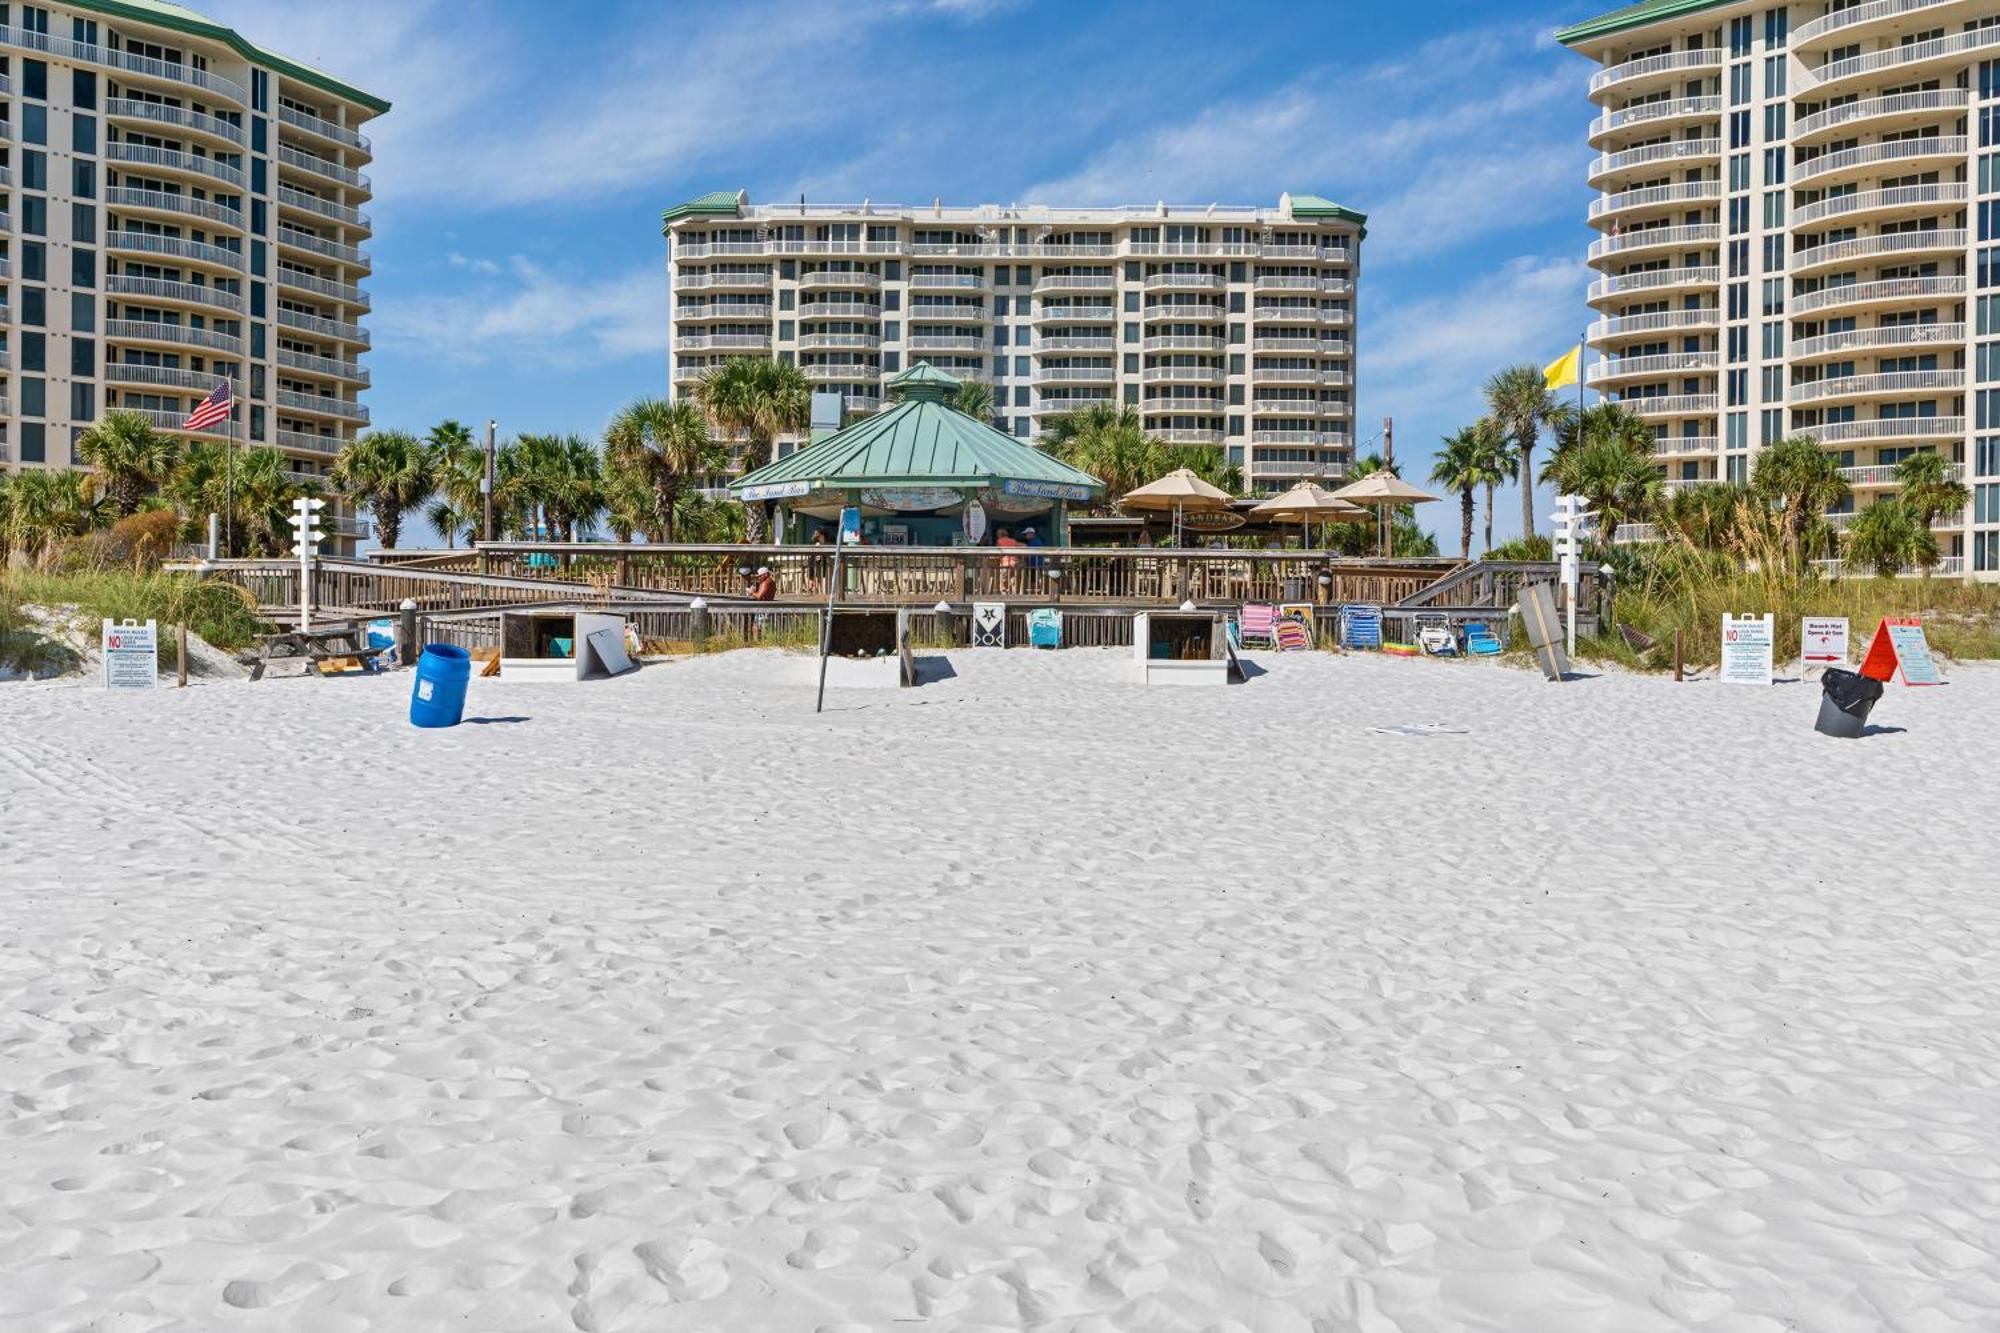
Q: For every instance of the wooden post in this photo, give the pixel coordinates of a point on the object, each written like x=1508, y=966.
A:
x=1677, y=655
x=181, y=655
x=625, y=568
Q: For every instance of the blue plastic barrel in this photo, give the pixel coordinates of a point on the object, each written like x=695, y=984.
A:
x=439, y=697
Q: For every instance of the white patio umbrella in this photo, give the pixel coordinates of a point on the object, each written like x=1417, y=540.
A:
x=1383, y=491
x=1308, y=503
x=1179, y=492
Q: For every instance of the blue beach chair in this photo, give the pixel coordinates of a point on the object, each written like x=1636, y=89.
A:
x=1360, y=626
x=1480, y=640
x=1045, y=628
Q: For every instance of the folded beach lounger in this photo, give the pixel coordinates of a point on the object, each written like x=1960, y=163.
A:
x=1045, y=628
x=1480, y=640
x=1260, y=624
x=1293, y=636
x=1360, y=626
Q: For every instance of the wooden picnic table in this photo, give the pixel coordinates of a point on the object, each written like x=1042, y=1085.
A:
x=320, y=644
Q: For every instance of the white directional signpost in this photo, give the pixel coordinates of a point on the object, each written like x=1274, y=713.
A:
x=306, y=537
x=1569, y=520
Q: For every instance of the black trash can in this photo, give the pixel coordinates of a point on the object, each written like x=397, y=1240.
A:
x=1846, y=699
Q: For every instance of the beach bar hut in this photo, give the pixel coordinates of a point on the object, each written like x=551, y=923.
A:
x=922, y=473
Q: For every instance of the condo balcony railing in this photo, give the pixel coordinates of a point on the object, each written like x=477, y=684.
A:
x=322, y=167
x=743, y=310
x=1330, y=468
x=1866, y=386
x=1891, y=336
x=1900, y=61
x=938, y=342
x=144, y=66
x=1673, y=405
x=170, y=377
x=1656, y=196
x=173, y=247
x=1869, y=154
x=860, y=310
x=148, y=330
x=860, y=402
x=706, y=249
x=845, y=372
x=1294, y=375
x=1188, y=248
x=1650, y=238
x=309, y=442
x=1667, y=364
x=1181, y=374
x=1706, y=275
x=1949, y=567
x=1294, y=405
x=327, y=287
x=326, y=328
x=1879, y=474
x=1655, y=321
x=1186, y=435
x=1673, y=446
x=1075, y=314
x=325, y=129
x=1648, y=113
x=1842, y=22
x=700, y=281
x=326, y=208
x=160, y=289
x=944, y=282
x=812, y=341
x=1679, y=150
x=1076, y=282
x=170, y=419
x=1885, y=291
x=750, y=342
x=332, y=368
x=1310, y=343
x=1182, y=342
x=1941, y=197
x=1667, y=62
x=1943, y=101
x=159, y=113
x=1884, y=428
x=119, y=196
x=1076, y=375
x=1307, y=437
x=322, y=404
x=1187, y=405
x=165, y=159
x=841, y=279
x=1066, y=342
x=1163, y=282
x=319, y=245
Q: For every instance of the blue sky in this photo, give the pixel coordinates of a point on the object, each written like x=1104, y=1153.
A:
x=519, y=269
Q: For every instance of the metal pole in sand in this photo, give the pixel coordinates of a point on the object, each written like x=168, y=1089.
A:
x=826, y=621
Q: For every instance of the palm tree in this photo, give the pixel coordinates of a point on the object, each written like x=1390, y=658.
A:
x=1612, y=469
x=1107, y=442
x=1931, y=489
x=1801, y=481
x=1889, y=535
x=1461, y=466
x=756, y=401
x=265, y=489
x=1518, y=398
x=975, y=399
x=459, y=466
x=131, y=458
x=553, y=483
x=666, y=448
x=47, y=505
x=390, y=472
x=1497, y=463
x=1706, y=516
x=628, y=505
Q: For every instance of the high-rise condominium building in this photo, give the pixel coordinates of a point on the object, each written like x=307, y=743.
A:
x=1800, y=218
x=1231, y=327
x=177, y=207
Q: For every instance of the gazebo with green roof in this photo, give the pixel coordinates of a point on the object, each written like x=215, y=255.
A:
x=915, y=469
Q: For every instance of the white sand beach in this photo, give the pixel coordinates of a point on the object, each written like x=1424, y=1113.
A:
x=1029, y=999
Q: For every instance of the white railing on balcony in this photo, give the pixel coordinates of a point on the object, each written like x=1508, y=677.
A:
x=1868, y=201
x=119, y=196
x=1075, y=314
x=1180, y=374
x=705, y=249
x=125, y=60
x=1674, y=446
x=328, y=328
x=1654, y=321
x=1287, y=282
x=815, y=340
x=1841, y=20
x=851, y=279
x=1182, y=342
x=1665, y=364
x=1888, y=289
x=855, y=310
x=159, y=113
x=166, y=159
x=327, y=287
x=724, y=280
x=160, y=289
x=1064, y=343
x=1075, y=375
x=173, y=247
x=1886, y=428
x=331, y=367
x=322, y=167
x=1204, y=312
x=321, y=403
x=1185, y=282
x=1283, y=375
x=309, y=442
x=1895, y=243
x=148, y=330
x=1205, y=405
x=1702, y=276
x=1943, y=100
x=1679, y=150
x=326, y=208
x=168, y=419
x=1950, y=567
x=170, y=377
x=1185, y=435
x=972, y=282
x=844, y=373
x=1645, y=238
x=1666, y=62
x=1895, y=335
x=1280, y=344
x=1167, y=247
x=1672, y=405
x=325, y=129
x=1637, y=534
x=1648, y=112
x=346, y=254
x=1894, y=382
x=1898, y=58
x=747, y=342
x=1074, y=282
x=938, y=342
x=1297, y=405
x=1653, y=196
x=1309, y=437
x=1894, y=150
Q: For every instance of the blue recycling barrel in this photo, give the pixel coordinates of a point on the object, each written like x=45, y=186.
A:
x=438, y=699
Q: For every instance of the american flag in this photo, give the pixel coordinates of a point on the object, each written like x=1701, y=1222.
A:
x=213, y=411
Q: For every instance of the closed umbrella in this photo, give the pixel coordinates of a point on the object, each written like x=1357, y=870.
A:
x=1382, y=491
x=1179, y=492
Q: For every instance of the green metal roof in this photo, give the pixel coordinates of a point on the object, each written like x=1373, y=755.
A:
x=1312, y=206
x=1634, y=16
x=182, y=19
x=716, y=203
x=919, y=442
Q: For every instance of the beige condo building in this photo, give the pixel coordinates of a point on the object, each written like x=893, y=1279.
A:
x=180, y=207
x=1223, y=326
x=1799, y=218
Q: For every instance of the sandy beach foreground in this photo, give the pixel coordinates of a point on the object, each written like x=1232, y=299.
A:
x=1372, y=995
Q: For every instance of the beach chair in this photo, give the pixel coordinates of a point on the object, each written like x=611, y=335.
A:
x=1480, y=640
x=1361, y=626
x=1045, y=628
x=1435, y=636
x=1293, y=636
x=1259, y=624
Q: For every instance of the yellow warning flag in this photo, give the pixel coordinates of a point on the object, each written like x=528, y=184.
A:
x=1566, y=370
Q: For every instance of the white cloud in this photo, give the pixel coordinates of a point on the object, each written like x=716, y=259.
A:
x=530, y=316
x=483, y=266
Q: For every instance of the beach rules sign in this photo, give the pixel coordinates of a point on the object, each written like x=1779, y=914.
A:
x=1823, y=641
x=1746, y=650
x=131, y=655
x=1899, y=647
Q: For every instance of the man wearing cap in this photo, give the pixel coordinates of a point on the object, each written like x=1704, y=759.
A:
x=766, y=587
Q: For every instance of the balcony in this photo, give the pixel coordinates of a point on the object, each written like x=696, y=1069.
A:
x=1890, y=385
x=1295, y=405
x=1309, y=344
x=1672, y=405
x=146, y=330
x=1895, y=336
x=1868, y=159
x=1649, y=159
x=306, y=363
x=744, y=311
x=843, y=373
x=860, y=402
x=296, y=280
x=1207, y=405
x=1887, y=292
x=1185, y=343
x=858, y=310
x=1315, y=438
x=1681, y=446
x=169, y=419
x=1655, y=117
x=1949, y=567
x=1626, y=326
x=1328, y=468
x=143, y=66
x=325, y=208
x=324, y=129
x=1181, y=375
x=1260, y=374
x=1076, y=282
x=1886, y=428
x=1186, y=312
x=1655, y=238
x=1899, y=64
x=1668, y=67
x=1071, y=343
x=1075, y=314
x=160, y=201
x=946, y=282
x=1655, y=280
x=1848, y=24
x=723, y=280
x=173, y=247
x=1075, y=375
x=1287, y=282
x=941, y=342
x=706, y=249
x=1902, y=200
x=165, y=377
x=306, y=442
x=839, y=279
x=1051, y=250
x=1666, y=366
x=1656, y=197
x=185, y=293
x=322, y=168
x=1897, y=111
x=850, y=340
x=749, y=342
x=299, y=240
x=165, y=159
x=1189, y=249
x=1185, y=282
x=325, y=328
x=1186, y=435
x=321, y=405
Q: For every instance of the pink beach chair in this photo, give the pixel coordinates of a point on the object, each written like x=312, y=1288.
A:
x=1259, y=623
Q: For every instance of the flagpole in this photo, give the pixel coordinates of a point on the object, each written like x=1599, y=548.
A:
x=229, y=476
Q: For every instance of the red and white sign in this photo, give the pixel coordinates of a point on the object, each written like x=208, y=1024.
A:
x=1900, y=648
x=1823, y=641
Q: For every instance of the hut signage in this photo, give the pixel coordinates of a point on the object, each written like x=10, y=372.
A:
x=974, y=520
x=131, y=655
x=1746, y=650
x=1046, y=490
x=778, y=490
x=1220, y=520
x=908, y=499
